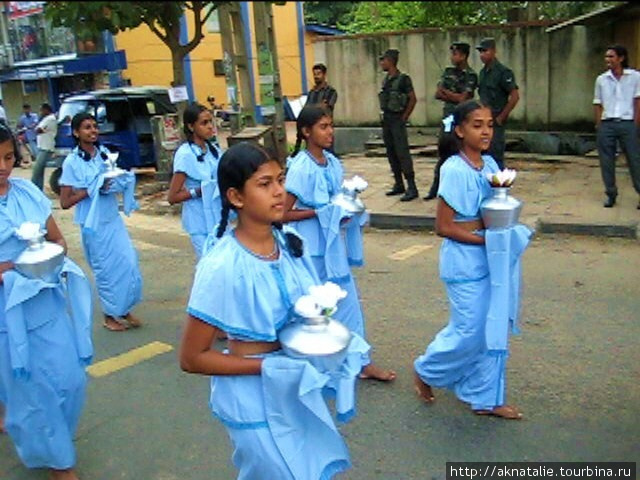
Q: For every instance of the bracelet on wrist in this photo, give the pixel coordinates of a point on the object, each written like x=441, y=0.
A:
x=193, y=193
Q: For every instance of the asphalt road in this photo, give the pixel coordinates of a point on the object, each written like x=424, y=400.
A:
x=573, y=371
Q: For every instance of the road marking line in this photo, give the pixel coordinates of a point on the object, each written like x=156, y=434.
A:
x=128, y=359
x=409, y=252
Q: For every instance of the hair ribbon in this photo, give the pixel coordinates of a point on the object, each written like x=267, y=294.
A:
x=448, y=123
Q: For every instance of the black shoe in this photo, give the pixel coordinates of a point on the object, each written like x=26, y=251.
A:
x=409, y=195
x=609, y=202
x=396, y=190
x=430, y=196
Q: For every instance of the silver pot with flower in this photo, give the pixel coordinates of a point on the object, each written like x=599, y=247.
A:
x=111, y=165
x=348, y=196
x=315, y=335
x=501, y=210
x=41, y=259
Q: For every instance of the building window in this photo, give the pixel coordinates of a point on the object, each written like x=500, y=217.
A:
x=33, y=38
x=213, y=22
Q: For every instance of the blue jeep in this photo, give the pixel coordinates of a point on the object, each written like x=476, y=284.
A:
x=124, y=120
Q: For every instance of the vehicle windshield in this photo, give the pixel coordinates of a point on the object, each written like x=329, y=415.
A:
x=69, y=109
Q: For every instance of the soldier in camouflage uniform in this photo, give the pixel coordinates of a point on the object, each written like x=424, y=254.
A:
x=457, y=84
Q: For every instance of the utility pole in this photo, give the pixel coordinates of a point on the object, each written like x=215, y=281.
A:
x=235, y=62
x=269, y=75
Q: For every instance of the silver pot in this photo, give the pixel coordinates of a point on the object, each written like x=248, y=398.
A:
x=112, y=169
x=321, y=340
x=349, y=200
x=501, y=210
x=41, y=259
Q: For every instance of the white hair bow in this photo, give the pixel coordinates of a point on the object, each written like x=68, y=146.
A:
x=448, y=123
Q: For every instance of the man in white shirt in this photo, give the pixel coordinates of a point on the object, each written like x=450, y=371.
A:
x=617, y=109
x=46, y=130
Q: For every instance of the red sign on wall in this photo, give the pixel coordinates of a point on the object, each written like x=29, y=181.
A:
x=24, y=9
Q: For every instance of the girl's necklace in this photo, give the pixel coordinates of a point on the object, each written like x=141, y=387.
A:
x=469, y=162
x=269, y=256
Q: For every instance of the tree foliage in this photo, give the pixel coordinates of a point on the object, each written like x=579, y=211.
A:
x=88, y=19
x=369, y=17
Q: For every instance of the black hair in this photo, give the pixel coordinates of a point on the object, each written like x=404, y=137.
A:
x=26, y=105
x=308, y=117
x=189, y=117
x=76, y=121
x=47, y=107
x=621, y=51
x=449, y=143
x=5, y=135
x=320, y=66
x=236, y=166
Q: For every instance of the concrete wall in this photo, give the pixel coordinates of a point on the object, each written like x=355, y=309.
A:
x=555, y=71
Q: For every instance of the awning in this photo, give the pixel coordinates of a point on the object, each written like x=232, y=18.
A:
x=110, y=62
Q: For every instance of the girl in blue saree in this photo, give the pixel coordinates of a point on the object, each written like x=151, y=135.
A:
x=107, y=245
x=194, y=181
x=42, y=357
x=314, y=175
x=457, y=358
x=246, y=285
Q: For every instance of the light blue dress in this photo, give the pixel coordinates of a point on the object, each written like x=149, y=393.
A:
x=43, y=348
x=458, y=358
x=107, y=245
x=200, y=214
x=314, y=185
x=278, y=421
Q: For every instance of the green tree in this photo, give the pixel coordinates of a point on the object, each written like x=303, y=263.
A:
x=369, y=17
x=329, y=13
x=88, y=19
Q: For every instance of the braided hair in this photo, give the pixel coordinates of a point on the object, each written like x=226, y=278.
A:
x=308, y=117
x=236, y=166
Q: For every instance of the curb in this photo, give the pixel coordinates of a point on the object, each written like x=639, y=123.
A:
x=594, y=230
x=386, y=221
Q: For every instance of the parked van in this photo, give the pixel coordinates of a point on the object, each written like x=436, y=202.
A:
x=124, y=120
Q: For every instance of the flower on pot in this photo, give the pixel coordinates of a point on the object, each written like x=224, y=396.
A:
x=502, y=179
x=322, y=300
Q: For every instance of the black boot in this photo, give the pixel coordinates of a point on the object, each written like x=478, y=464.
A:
x=610, y=201
x=398, y=186
x=433, y=193
x=412, y=191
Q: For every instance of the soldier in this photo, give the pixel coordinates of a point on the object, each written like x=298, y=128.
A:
x=457, y=84
x=397, y=100
x=498, y=90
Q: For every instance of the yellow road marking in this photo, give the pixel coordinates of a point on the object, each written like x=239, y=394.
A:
x=127, y=359
x=409, y=252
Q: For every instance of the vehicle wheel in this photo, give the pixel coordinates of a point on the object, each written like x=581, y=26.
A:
x=54, y=180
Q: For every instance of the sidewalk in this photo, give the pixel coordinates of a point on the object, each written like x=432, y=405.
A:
x=561, y=194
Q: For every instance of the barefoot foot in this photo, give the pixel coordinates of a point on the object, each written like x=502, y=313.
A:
x=134, y=322
x=508, y=412
x=423, y=389
x=62, y=474
x=113, y=325
x=373, y=372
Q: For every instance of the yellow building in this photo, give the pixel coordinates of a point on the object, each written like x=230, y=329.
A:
x=149, y=60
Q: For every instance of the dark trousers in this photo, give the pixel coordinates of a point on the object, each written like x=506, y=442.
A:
x=609, y=133
x=396, y=142
x=496, y=149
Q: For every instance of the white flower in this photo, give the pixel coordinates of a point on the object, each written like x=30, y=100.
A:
x=327, y=295
x=306, y=306
x=503, y=178
x=355, y=184
x=28, y=230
